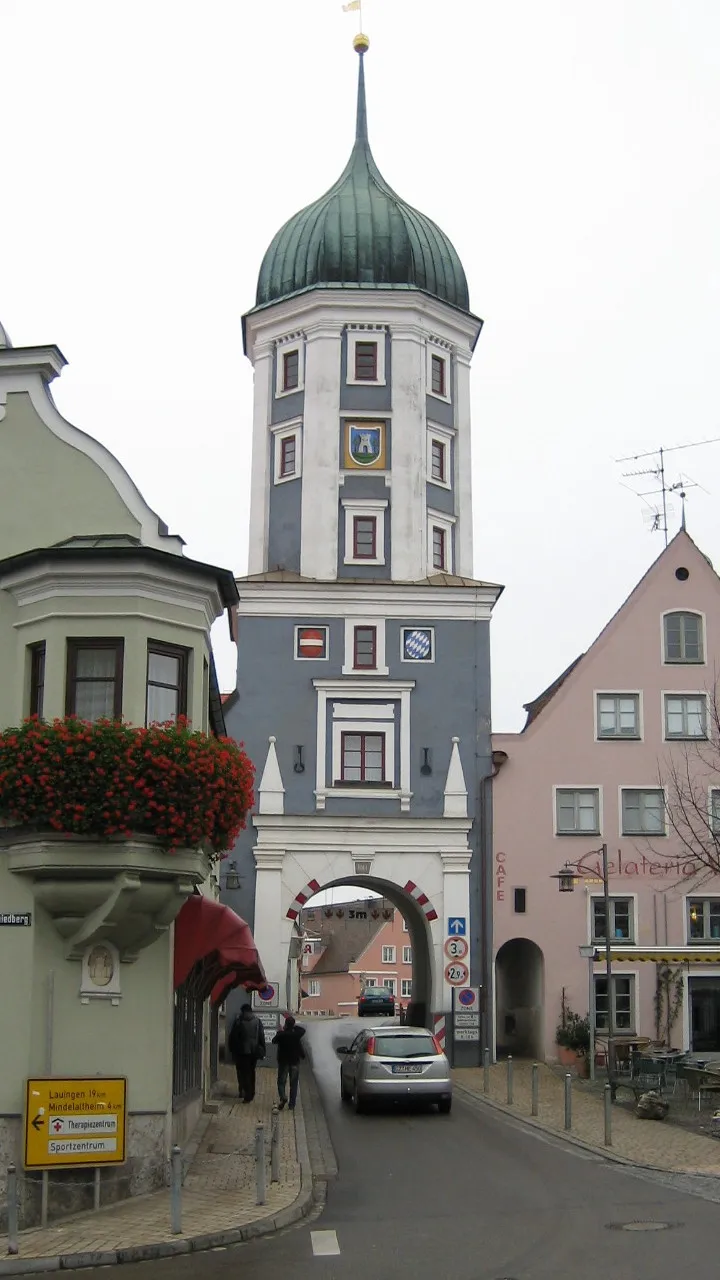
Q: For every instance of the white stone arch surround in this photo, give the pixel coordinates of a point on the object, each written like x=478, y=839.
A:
x=410, y=860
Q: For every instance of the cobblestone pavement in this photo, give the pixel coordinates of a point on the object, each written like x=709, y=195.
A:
x=649, y=1143
x=219, y=1191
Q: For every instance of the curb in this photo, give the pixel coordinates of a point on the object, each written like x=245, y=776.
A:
x=295, y=1212
x=606, y=1153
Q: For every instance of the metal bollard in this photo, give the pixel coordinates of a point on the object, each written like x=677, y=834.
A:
x=275, y=1146
x=260, y=1163
x=510, y=1080
x=176, y=1191
x=486, y=1070
x=608, y=1115
x=12, y=1209
x=535, y=1087
x=568, y=1101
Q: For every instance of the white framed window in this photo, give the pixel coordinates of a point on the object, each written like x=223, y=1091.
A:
x=312, y=644
x=405, y=927
x=685, y=715
x=577, y=811
x=365, y=647
x=390, y=984
x=683, y=638
x=313, y=986
x=289, y=367
x=364, y=530
x=363, y=746
x=407, y=955
x=440, y=542
x=703, y=920
x=417, y=644
x=287, y=452
x=622, y=919
x=623, y=1002
x=366, y=356
x=406, y=987
x=363, y=705
x=617, y=715
x=439, y=370
x=439, y=456
x=642, y=811
x=388, y=955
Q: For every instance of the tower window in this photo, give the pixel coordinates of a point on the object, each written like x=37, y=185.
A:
x=438, y=461
x=291, y=370
x=363, y=758
x=365, y=648
x=364, y=538
x=439, y=548
x=288, y=455
x=366, y=361
x=438, y=376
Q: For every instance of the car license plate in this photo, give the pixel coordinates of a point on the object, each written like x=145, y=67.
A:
x=407, y=1069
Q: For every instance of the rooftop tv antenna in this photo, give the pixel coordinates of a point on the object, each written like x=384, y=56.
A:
x=657, y=514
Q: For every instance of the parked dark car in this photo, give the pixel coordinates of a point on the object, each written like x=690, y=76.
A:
x=376, y=1000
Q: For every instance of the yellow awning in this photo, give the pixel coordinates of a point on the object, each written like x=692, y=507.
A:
x=682, y=955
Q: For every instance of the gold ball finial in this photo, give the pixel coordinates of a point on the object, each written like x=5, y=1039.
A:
x=361, y=43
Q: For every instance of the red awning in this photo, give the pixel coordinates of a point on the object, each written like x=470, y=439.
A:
x=215, y=949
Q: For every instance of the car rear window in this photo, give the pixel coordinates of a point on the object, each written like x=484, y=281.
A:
x=375, y=995
x=404, y=1047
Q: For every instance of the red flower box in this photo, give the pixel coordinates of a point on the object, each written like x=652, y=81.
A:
x=182, y=787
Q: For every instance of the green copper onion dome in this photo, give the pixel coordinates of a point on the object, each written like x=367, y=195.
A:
x=361, y=235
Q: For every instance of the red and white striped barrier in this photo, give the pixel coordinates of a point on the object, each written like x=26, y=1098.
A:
x=422, y=900
x=311, y=888
x=439, y=1029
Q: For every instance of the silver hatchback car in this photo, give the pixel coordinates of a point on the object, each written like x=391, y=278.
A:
x=395, y=1063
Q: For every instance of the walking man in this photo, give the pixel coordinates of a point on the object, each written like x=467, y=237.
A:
x=246, y=1043
x=290, y=1052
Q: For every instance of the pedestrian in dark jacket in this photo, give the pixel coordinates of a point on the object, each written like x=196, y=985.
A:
x=246, y=1043
x=290, y=1053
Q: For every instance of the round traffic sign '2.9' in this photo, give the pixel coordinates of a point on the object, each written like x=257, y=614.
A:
x=456, y=974
x=456, y=948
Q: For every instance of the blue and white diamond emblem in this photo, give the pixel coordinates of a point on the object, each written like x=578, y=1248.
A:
x=417, y=645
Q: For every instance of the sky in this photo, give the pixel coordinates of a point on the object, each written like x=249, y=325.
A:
x=570, y=150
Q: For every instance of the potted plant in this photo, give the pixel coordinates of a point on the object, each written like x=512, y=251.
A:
x=573, y=1039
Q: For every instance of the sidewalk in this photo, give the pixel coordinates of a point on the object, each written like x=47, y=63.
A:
x=218, y=1196
x=650, y=1143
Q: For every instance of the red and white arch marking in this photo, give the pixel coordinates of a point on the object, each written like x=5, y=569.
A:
x=422, y=900
x=311, y=888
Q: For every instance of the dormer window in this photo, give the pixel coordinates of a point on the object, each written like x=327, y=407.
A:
x=366, y=361
x=683, y=638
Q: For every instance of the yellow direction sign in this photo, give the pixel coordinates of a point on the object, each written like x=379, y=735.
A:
x=75, y=1121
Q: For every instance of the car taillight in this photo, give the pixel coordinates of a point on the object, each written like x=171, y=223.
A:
x=370, y=1046
x=438, y=1046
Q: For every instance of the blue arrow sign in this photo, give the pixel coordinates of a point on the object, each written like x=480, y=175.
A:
x=456, y=926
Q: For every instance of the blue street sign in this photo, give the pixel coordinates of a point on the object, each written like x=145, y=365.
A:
x=456, y=926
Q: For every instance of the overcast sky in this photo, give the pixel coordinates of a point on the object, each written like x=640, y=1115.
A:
x=570, y=149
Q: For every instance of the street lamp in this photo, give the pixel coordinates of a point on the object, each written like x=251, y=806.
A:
x=567, y=879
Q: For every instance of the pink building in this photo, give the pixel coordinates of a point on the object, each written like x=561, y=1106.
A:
x=349, y=946
x=595, y=763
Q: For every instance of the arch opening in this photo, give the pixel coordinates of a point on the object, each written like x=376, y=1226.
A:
x=362, y=941
x=520, y=997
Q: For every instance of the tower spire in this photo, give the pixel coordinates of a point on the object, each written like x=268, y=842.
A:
x=361, y=44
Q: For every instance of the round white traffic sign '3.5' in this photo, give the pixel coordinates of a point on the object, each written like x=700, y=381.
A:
x=457, y=974
x=456, y=948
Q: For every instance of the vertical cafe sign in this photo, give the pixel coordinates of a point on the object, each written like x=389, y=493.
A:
x=500, y=875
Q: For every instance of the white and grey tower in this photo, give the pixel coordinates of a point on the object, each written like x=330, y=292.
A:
x=363, y=689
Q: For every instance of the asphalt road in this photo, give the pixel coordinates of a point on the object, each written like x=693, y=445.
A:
x=469, y=1196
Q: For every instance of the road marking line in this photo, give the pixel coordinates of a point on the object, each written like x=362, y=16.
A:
x=324, y=1243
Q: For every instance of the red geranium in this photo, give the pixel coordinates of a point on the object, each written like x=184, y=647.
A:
x=183, y=787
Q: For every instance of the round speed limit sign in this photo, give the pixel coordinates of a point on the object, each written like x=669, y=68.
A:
x=456, y=948
x=457, y=974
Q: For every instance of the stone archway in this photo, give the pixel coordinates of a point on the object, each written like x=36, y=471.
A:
x=417, y=911
x=520, y=997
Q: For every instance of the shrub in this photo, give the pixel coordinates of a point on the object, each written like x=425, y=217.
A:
x=573, y=1032
x=105, y=779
